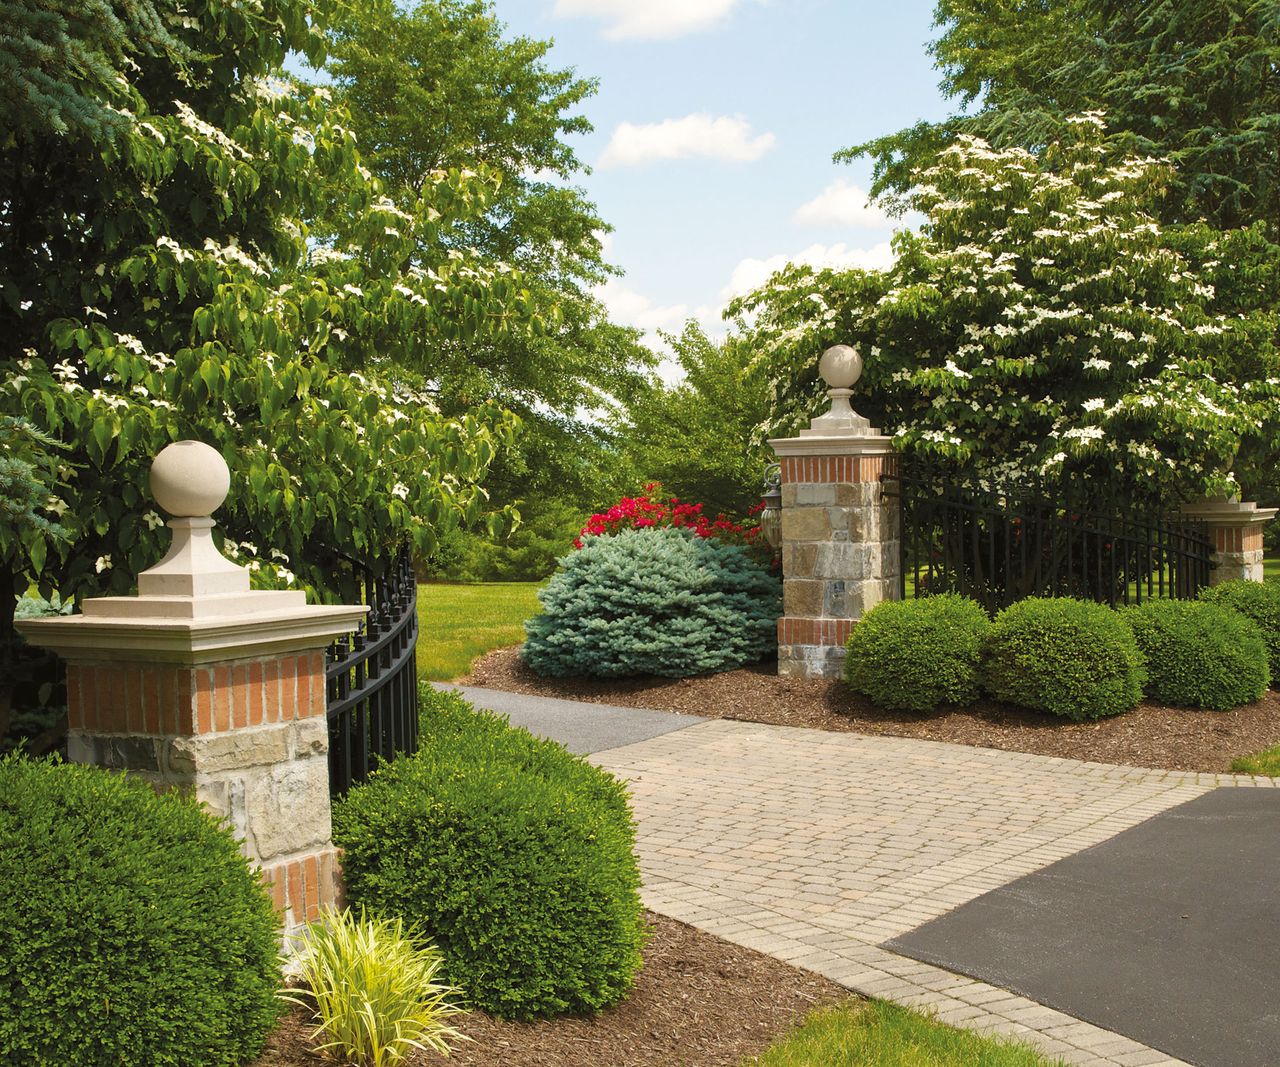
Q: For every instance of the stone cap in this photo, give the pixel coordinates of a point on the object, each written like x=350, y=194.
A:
x=810, y=444
x=1222, y=512
x=195, y=640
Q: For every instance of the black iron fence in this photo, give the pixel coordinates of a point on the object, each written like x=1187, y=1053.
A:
x=1002, y=545
x=372, y=681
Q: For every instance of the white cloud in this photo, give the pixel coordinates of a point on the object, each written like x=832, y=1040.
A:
x=843, y=204
x=751, y=273
x=631, y=308
x=698, y=135
x=648, y=19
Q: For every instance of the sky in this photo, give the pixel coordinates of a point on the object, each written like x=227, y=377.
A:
x=715, y=123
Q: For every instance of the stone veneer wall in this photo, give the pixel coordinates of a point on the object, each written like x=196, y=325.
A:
x=248, y=736
x=840, y=554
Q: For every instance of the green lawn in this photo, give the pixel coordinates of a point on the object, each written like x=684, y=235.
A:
x=880, y=1034
x=1263, y=764
x=458, y=623
x=1271, y=568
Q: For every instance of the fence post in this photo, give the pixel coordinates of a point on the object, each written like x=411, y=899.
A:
x=199, y=683
x=1235, y=529
x=840, y=547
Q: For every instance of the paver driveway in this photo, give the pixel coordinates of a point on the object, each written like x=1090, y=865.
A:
x=816, y=847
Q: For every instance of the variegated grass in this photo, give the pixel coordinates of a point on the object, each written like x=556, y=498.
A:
x=374, y=990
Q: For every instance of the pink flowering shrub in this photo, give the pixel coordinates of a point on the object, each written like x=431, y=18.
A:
x=648, y=511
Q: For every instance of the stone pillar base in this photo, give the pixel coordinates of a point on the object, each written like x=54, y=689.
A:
x=812, y=648
x=247, y=736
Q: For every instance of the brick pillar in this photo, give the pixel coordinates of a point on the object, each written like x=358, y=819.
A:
x=840, y=532
x=200, y=684
x=1236, y=530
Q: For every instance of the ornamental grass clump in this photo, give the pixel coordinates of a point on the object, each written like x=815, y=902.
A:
x=1068, y=657
x=515, y=857
x=132, y=930
x=374, y=989
x=1259, y=601
x=661, y=602
x=915, y=655
x=1199, y=654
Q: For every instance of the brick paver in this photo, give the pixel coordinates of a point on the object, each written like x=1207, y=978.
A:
x=815, y=847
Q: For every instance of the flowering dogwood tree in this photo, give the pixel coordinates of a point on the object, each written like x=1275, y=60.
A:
x=157, y=282
x=1042, y=322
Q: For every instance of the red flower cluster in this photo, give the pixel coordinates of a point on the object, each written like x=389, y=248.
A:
x=645, y=512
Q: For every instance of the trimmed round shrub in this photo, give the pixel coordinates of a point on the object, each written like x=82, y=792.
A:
x=1068, y=657
x=915, y=655
x=512, y=855
x=132, y=930
x=1259, y=601
x=1199, y=654
x=660, y=601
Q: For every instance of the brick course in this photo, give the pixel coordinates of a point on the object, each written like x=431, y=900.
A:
x=164, y=699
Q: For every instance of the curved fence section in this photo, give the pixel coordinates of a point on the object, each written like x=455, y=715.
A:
x=372, y=681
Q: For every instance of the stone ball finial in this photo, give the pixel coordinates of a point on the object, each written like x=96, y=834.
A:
x=189, y=479
x=840, y=366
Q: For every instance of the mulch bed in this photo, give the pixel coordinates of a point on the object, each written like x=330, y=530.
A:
x=1150, y=736
x=699, y=1002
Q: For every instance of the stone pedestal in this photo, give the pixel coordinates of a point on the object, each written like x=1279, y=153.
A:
x=201, y=684
x=840, y=533
x=1236, y=530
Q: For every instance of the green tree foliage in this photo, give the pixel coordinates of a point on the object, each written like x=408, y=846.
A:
x=438, y=86
x=1044, y=322
x=28, y=478
x=1192, y=81
x=700, y=437
x=161, y=283
x=61, y=61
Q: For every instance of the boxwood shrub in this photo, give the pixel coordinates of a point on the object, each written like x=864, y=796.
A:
x=512, y=855
x=1259, y=601
x=1068, y=657
x=915, y=655
x=660, y=601
x=132, y=930
x=1199, y=654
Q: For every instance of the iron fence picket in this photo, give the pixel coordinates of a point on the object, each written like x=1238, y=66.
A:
x=372, y=681
x=1033, y=539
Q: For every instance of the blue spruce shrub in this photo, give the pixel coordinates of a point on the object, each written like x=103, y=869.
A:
x=132, y=930
x=1200, y=654
x=1068, y=657
x=660, y=601
x=515, y=857
x=915, y=655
